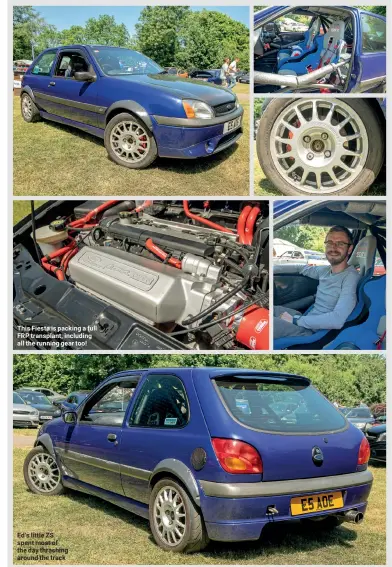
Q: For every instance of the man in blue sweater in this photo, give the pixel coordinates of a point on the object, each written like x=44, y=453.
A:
x=336, y=294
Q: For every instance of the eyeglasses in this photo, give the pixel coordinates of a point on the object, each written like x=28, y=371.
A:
x=338, y=243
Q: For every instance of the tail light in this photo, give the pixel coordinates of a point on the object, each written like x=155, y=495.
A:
x=237, y=457
x=364, y=452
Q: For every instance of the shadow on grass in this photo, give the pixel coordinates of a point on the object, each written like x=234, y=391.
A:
x=276, y=537
x=168, y=164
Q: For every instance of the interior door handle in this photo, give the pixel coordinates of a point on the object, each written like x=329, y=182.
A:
x=112, y=437
x=51, y=84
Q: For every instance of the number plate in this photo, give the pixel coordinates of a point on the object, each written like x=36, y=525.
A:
x=232, y=125
x=316, y=503
x=46, y=417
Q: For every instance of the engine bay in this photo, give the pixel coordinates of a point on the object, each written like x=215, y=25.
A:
x=145, y=274
x=315, y=60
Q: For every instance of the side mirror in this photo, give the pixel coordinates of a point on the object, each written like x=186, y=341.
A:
x=85, y=76
x=70, y=417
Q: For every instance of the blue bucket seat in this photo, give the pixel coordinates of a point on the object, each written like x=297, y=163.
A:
x=328, y=48
x=305, y=47
x=362, y=258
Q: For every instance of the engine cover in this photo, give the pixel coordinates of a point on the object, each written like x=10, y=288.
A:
x=156, y=291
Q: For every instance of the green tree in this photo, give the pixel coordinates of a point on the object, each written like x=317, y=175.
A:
x=381, y=10
x=208, y=37
x=157, y=32
x=345, y=378
x=27, y=28
x=310, y=237
x=104, y=31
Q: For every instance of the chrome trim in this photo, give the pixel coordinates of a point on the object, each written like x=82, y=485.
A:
x=285, y=487
x=104, y=464
x=72, y=103
x=198, y=122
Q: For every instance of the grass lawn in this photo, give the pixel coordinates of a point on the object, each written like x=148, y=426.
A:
x=52, y=159
x=26, y=432
x=96, y=532
x=263, y=186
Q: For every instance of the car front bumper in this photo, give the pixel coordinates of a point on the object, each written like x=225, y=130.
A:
x=190, y=139
x=25, y=421
x=237, y=518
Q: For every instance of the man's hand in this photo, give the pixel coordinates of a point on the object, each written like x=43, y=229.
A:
x=286, y=317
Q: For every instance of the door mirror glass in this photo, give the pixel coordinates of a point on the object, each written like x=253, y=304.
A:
x=70, y=417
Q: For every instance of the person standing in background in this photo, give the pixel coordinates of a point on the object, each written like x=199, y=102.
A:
x=224, y=74
x=233, y=72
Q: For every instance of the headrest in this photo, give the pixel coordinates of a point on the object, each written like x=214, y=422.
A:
x=313, y=32
x=334, y=33
x=364, y=255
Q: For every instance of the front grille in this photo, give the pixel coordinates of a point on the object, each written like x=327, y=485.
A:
x=225, y=108
x=23, y=412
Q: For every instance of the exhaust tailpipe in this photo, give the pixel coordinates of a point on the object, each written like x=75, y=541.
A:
x=293, y=81
x=353, y=517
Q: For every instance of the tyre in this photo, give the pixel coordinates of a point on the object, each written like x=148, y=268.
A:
x=321, y=147
x=28, y=108
x=129, y=142
x=175, y=521
x=41, y=473
x=328, y=523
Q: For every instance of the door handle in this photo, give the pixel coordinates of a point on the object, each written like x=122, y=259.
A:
x=112, y=437
x=51, y=84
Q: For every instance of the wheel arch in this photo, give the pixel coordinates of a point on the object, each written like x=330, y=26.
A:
x=29, y=91
x=45, y=441
x=128, y=106
x=178, y=471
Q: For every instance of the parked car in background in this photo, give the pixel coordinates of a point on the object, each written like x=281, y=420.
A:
x=179, y=72
x=316, y=259
x=74, y=399
x=140, y=111
x=50, y=394
x=361, y=417
x=203, y=454
x=291, y=257
x=377, y=437
x=23, y=415
x=46, y=410
x=207, y=75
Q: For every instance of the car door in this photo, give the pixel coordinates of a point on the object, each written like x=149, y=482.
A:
x=39, y=77
x=91, y=448
x=68, y=98
x=372, y=52
x=156, y=428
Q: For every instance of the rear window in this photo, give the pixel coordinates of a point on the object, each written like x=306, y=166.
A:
x=279, y=407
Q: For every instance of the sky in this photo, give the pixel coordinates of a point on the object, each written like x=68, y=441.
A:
x=64, y=17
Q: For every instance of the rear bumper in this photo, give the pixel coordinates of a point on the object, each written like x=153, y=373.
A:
x=239, y=518
x=194, y=142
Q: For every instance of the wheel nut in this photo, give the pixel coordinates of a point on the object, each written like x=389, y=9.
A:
x=327, y=153
x=324, y=136
x=306, y=139
x=310, y=156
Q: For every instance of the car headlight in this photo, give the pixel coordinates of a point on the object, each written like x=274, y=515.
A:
x=34, y=412
x=237, y=104
x=382, y=437
x=359, y=425
x=197, y=109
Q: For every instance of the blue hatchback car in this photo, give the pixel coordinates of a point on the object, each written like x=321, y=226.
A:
x=131, y=102
x=207, y=453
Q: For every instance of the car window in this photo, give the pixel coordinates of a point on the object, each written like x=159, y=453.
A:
x=69, y=63
x=116, y=61
x=294, y=23
x=266, y=405
x=108, y=405
x=359, y=412
x=373, y=34
x=35, y=398
x=44, y=64
x=162, y=402
x=16, y=399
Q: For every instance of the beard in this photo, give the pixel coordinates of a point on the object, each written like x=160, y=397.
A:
x=336, y=258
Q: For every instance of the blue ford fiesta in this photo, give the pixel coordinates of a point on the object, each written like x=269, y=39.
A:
x=207, y=453
x=131, y=102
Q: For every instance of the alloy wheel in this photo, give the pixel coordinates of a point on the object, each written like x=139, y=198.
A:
x=27, y=107
x=320, y=146
x=43, y=472
x=130, y=141
x=170, y=516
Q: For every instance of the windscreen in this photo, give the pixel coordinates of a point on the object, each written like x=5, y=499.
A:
x=279, y=407
x=115, y=61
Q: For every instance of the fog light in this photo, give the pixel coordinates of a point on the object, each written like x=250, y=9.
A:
x=209, y=146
